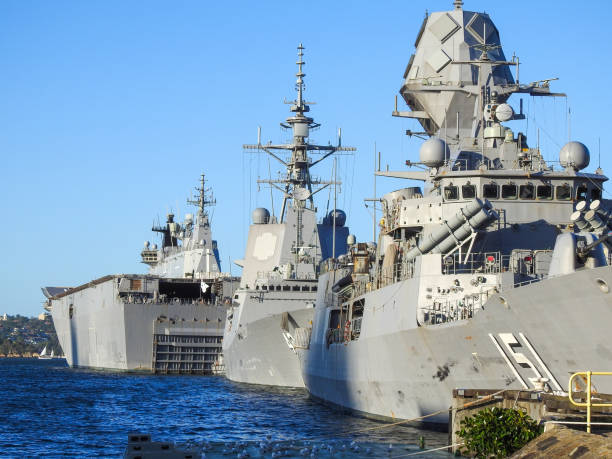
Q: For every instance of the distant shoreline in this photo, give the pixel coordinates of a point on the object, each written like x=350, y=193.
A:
x=25, y=356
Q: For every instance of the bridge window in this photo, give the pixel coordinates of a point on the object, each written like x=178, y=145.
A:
x=595, y=193
x=451, y=193
x=490, y=191
x=544, y=192
x=581, y=193
x=509, y=191
x=468, y=191
x=526, y=192
x=564, y=192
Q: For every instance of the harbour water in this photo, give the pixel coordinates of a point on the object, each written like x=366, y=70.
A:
x=48, y=409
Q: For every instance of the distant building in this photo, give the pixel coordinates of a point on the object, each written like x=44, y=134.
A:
x=4, y=317
x=42, y=316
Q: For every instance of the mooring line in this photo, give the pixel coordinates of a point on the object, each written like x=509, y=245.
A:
x=416, y=453
x=404, y=421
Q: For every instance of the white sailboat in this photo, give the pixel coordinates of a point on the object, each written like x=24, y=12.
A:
x=44, y=356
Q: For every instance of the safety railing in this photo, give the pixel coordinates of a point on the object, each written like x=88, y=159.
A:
x=487, y=263
x=588, y=403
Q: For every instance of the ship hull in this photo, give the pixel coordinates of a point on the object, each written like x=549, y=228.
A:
x=98, y=329
x=258, y=348
x=548, y=329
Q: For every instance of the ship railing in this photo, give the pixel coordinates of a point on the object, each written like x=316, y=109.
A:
x=523, y=283
x=484, y=263
x=588, y=403
x=143, y=299
x=395, y=273
x=275, y=276
x=449, y=311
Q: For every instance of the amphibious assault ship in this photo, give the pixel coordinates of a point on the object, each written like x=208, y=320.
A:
x=496, y=275
x=273, y=306
x=168, y=321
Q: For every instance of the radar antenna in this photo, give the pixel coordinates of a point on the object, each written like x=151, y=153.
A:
x=204, y=198
x=297, y=184
x=300, y=107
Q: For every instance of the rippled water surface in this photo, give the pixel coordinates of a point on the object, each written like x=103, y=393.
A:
x=48, y=409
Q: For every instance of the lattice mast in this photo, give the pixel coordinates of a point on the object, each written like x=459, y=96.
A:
x=203, y=199
x=297, y=185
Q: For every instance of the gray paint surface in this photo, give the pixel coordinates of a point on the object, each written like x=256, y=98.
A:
x=111, y=323
x=518, y=302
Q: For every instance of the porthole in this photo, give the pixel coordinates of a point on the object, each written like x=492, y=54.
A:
x=603, y=285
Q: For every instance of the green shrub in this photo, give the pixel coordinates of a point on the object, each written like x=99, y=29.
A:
x=497, y=432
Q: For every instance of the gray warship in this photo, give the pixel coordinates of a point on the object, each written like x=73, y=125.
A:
x=170, y=320
x=496, y=275
x=273, y=307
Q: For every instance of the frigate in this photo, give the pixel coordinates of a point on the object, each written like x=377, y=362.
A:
x=494, y=275
x=273, y=306
x=170, y=320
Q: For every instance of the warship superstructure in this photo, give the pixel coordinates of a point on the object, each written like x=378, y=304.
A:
x=495, y=275
x=273, y=306
x=168, y=321
x=187, y=250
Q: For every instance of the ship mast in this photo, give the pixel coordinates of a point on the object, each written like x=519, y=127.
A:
x=204, y=198
x=297, y=185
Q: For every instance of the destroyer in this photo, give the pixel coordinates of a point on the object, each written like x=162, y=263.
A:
x=275, y=300
x=170, y=320
x=482, y=281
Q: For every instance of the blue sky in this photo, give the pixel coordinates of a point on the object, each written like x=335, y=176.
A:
x=109, y=112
